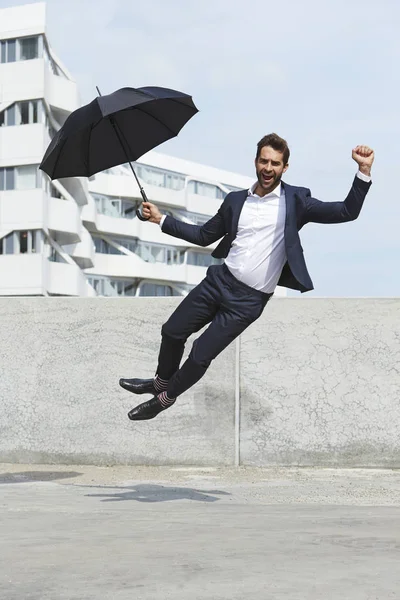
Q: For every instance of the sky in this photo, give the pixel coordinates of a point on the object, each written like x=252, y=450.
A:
x=323, y=74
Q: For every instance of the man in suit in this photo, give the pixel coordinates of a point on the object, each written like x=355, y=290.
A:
x=260, y=242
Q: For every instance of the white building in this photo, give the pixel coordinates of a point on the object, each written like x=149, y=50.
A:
x=75, y=237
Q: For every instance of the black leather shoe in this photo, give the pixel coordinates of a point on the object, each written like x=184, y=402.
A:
x=138, y=386
x=147, y=410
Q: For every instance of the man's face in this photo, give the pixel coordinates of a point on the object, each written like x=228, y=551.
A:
x=269, y=168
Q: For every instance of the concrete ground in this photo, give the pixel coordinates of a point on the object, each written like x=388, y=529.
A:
x=133, y=533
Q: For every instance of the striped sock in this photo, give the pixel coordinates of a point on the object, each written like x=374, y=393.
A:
x=160, y=385
x=164, y=400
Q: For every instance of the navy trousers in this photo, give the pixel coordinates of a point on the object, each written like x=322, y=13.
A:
x=228, y=305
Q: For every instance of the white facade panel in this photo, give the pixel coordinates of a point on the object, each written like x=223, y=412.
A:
x=66, y=280
x=25, y=20
x=61, y=93
x=22, y=144
x=64, y=218
x=20, y=209
x=22, y=275
x=21, y=80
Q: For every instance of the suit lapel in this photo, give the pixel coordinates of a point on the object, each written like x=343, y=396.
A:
x=236, y=210
x=290, y=222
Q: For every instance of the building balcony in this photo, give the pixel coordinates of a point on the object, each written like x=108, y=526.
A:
x=126, y=187
x=82, y=252
x=132, y=228
x=65, y=279
x=128, y=267
x=22, y=275
x=23, y=209
x=60, y=93
x=34, y=209
x=35, y=275
x=63, y=218
x=22, y=80
x=22, y=144
x=77, y=187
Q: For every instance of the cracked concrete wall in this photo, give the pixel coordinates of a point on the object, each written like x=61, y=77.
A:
x=61, y=359
x=319, y=385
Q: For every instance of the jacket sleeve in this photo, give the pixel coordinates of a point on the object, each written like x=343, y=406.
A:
x=201, y=235
x=337, y=212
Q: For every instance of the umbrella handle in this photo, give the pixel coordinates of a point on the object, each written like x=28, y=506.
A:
x=140, y=216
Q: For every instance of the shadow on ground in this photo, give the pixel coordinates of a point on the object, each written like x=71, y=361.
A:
x=157, y=493
x=29, y=476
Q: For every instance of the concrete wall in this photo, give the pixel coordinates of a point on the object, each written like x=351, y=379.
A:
x=312, y=382
x=320, y=384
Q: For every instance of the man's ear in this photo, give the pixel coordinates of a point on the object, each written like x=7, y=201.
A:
x=285, y=168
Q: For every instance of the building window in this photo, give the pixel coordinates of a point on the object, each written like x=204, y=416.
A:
x=53, y=191
x=55, y=256
x=113, y=287
x=231, y=188
x=207, y=190
x=162, y=254
x=29, y=112
x=51, y=64
x=128, y=244
x=29, y=48
x=8, y=51
x=7, y=178
x=103, y=247
x=25, y=177
x=160, y=177
x=22, y=242
x=19, y=49
x=201, y=259
x=154, y=289
x=7, y=116
x=22, y=113
x=111, y=206
x=7, y=244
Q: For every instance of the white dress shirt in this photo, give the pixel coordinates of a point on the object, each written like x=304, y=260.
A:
x=258, y=255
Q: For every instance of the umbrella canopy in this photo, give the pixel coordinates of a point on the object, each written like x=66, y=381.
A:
x=116, y=129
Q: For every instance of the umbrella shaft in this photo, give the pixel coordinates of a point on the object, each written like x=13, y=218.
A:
x=121, y=141
x=143, y=193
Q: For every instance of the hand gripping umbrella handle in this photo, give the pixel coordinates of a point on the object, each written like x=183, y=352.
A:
x=140, y=216
x=138, y=213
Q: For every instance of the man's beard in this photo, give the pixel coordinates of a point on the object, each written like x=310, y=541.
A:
x=270, y=185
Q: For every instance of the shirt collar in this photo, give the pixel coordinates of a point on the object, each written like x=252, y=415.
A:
x=276, y=192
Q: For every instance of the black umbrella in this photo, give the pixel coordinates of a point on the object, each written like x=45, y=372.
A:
x=116, y=129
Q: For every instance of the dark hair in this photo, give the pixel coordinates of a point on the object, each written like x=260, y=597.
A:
x=277, y=143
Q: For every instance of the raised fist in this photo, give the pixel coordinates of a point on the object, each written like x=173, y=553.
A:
x=364, y=157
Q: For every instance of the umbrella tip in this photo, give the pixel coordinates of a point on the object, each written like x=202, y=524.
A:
x=98, y=91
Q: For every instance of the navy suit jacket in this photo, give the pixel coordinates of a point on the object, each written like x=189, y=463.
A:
x=301, y=208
